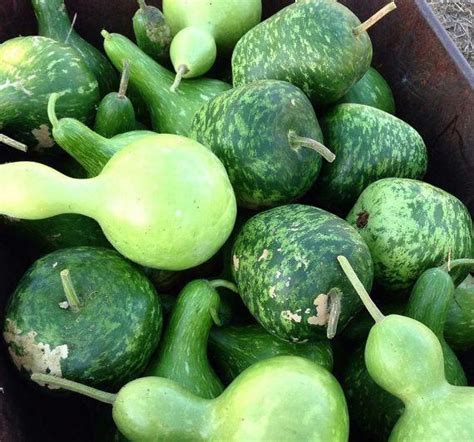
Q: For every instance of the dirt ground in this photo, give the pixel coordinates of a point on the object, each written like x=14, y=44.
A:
x=457, y=16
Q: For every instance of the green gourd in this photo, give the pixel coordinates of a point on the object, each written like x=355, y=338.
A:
x=283, y=398
x=318, y=45
x=53, y=22
x=149, y=192
x=233, y=349
x=372, y=90
x=152, y=33
x=32, y=68
x=459, y=330
x=268, y=137
x=203, y=28
x=116, y=114
x=369, y=144
x=182, y=355
x=410, y=226
x=170, y=112
x=405, y=358
x=85, y=314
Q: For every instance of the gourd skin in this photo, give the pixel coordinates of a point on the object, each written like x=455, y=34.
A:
x=115, y=116
x=254, y=407
x=152, y=200
x=31, y=69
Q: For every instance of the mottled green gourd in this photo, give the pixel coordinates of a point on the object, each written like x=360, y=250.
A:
x=152, y=33
x=372, y=90
x=405, y=358
x=170, y=112
x=116, y=114
x=318, y=45
x=374, y=410
x=182, y=355
x=233, y=349
x=54, y=22
x=410, y=226
x=369, y=144
x=32, y=68
x=85, y=314
x=459, y=330
x=283, y=398
x=204, y=28
x=149, y=192
x=284, y=264
x=268, y=138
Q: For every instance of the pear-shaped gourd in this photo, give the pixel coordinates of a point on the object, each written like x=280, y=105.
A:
x=164, y=202
x=284, y=398
x=405, y=358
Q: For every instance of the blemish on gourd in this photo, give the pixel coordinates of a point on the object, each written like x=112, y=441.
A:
x=43, y=136
x=322, y=314
x=236, y=262
x=264, y=255
x=32, y=356
x=290, y=316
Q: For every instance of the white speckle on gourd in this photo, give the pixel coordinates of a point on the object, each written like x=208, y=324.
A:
x=55, y=265
x=322, y=314
x=272, y=293
x=288, y=315
x=264, y=255
x=64, y=305
x=236, y=262
x=43, y=136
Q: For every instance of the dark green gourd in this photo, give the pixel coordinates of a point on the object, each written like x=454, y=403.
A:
x=405, y=358
x=85, y=314
x=170, y=112
x=318, y=45
x=410, y=226
x=152, y=33
x=369, y=144
x=32, y=68
x=233, y=349
x=182, y=355
x=54, y=22
x=284, y=264
x=268, y=137
x=116, y=114
x=371, y=90
x=283, y=398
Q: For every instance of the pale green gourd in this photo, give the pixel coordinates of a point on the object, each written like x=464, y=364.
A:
x=164, y=202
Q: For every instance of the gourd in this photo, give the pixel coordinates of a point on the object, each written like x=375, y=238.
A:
x=268, y=137
x=286, y=398
x=182, y=355
x=149, y=192
x=86, y=314
x=405, y=358
x=410, y=226
x=284, y=265
x=202, y=28
x=31, y=68
x=115, y=114
x=170, y=112
x=53, y=22
x=152, y=33
x=233, y=349
x=318, y=45
x=369, y=144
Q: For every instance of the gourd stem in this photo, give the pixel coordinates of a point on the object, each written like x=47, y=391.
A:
x=182, y=70
x=105, y=34
x=334, y=299
x=70, y=291
x=76, y=387
x=360, y=289
x=216, y=283
x=296, y=141
x=374, y=19
x=52, y=109
x=142, y=4
x=447, y=267
x=215, y=317
x=71, y=28
x=124, y=79
x=13, y=143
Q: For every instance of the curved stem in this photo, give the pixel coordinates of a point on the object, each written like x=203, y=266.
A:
x=182, y=70
x=124, y=79
x=447, y=267
x=334, y=299
x=76, y=387
x=360, y=289
x=374, y=19
x=216, y=283
x=215, y=317
x=70, y=291
x=142, y=4
x=71, y=28
x=52, y=109
x=105, y=34
x=296, y=141
x=13, y=143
